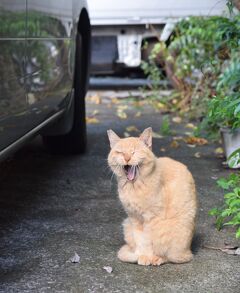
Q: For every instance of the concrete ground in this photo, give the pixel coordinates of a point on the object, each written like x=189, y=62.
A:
x=54, y=206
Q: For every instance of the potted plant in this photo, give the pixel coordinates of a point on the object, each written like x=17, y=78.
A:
x=224, y=108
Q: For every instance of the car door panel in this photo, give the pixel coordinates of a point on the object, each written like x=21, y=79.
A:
x=49, y=44
x=13, y=107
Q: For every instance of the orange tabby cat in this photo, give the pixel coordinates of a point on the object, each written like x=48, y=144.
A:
x=159, y=197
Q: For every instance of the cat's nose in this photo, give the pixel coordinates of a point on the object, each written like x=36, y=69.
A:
x=127, y=157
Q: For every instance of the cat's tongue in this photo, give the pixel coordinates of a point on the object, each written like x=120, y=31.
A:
x=131, y=173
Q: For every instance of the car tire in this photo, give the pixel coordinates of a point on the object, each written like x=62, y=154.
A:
x=75, y=141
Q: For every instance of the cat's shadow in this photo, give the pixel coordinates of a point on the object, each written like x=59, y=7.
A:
x=197, y=242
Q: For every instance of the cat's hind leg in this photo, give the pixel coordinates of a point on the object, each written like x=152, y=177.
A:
x=126, y=254
x=180, y=257
x=180, y=247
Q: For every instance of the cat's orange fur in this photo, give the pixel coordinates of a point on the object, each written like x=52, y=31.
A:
x=160, y=199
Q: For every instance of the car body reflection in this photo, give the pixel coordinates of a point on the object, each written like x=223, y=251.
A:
x=37, y=51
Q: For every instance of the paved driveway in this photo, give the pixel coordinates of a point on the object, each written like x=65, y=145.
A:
x=54, y=206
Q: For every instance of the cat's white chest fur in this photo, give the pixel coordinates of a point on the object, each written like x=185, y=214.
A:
x=139, y=202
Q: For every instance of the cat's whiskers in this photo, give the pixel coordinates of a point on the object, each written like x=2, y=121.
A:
x=108, y=170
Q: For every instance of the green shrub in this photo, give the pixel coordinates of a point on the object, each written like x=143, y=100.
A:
x=229, y=213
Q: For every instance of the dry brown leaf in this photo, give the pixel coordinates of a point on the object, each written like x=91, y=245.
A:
x=92, y=120
x=190, y=125
x=120, y=111
x=95, y=112
x=138, y=114
x=138, y=103
x=178, y=138
x=131, y=128
x=219, y=151
x=122, y=115
x=177, y=119
x=232, y=250
x=122, y=107
x=197, y=155
x=174, y=144
x=191, y=145
x=108, y=269
x=174, y=101
x=75, y=258
x=156, y=135
x=160, y=105
x=96, y=99
x=193, y=140
x=114, y=101
x=188, y=133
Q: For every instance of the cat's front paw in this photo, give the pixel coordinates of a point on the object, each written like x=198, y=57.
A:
x=144, y=260
x=158, y=260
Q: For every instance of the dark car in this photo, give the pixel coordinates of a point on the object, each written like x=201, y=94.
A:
x=44, y=64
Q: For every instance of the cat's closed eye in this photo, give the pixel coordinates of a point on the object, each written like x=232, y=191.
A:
x=118, y=152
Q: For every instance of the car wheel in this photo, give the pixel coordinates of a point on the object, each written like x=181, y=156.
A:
x=75, y=141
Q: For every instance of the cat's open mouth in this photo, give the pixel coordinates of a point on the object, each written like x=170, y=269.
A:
x=131, y=172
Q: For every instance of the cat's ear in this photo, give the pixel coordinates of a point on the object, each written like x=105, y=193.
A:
x=146, y=137
x=113, y=137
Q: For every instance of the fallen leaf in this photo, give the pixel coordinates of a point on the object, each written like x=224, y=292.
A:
x=174, y=101
x=122, y=107
x=121, y=114
x=197, y=155
x=177, y=119
x=219, y=151
x=174, y=144
x=138, y=114
x=191, y=145
x=195, y=140
x=92, y=120
x=126, y=134
x=190, y=125
x=178, y=137
x=156, y=135
x=108, y=269
x=214, y=177
x=160, y=105
x=114, y=101
x=237, y=251
x=232, y=250
x=162, y=149
x=120, y=111
x=228, y=251
x=131, y=128
x=138, y=104
x=95, y=112
x=96, y=99
x=75, y=258
x=188, y=133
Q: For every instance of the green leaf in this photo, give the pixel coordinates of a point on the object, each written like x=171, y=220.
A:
x=238, y=233
x=223, y=183
x=214, y=212
x=237, y=110
x=219, y=223
x=226, y=213
x=234, y=159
